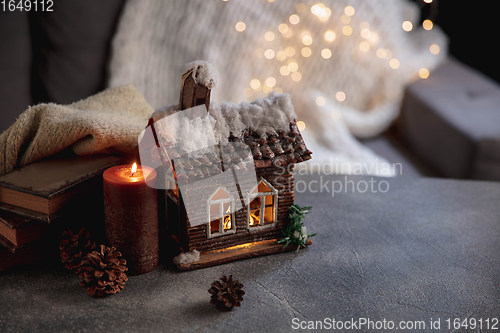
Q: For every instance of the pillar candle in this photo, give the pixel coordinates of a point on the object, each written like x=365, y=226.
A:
x=131, y=215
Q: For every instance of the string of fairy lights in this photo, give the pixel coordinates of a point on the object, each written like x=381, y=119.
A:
x=289, y=56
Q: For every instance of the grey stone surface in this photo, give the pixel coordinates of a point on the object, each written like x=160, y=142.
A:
x=427, y=248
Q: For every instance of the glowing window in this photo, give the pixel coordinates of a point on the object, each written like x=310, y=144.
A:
x=262, y=206
x=220, y=214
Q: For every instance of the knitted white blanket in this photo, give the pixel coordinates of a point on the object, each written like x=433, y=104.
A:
x=110, y=121
x=372, y=59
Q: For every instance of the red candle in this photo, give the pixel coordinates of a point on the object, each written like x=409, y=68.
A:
x=131, y=215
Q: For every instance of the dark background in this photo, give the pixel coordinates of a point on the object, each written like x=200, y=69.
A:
x=59, y=56
x=472, y=28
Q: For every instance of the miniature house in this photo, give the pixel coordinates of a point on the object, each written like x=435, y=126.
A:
x=207, y=188
x=230, y=200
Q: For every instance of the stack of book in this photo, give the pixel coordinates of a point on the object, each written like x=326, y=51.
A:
x=40, y=200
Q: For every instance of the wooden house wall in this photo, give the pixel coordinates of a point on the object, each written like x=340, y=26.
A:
x=283, y=183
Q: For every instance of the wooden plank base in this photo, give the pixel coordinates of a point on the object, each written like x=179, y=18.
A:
x=237, y=252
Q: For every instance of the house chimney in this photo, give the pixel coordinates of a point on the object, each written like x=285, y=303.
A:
x=197, y=83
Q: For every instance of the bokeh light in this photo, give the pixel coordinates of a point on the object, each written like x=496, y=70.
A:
x=301, y=125
x=290, y=51
x=300, y=8
x=320, y=100
x=284, y=70
x=345, y=19
x=281, y=55
x=293, y=66
x=269, y=54
x=330, y=36
x=240, y=26
x=365, y=33
x=347, y=30
x=381, y=53
x=307, y=40
x=271, y=81
x=434, y=49
x=364, y=46
x=349, y=10
x=423, y=73
x=294, y=19
x=296, y=76
x=306, y=52
x=407, y=26
x=269, y=36
x=283, y=28
x=427, y=24
x=255, y=84
x=394, y=63
x=326, y=53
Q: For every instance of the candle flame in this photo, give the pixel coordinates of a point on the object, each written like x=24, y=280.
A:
x=134, y=169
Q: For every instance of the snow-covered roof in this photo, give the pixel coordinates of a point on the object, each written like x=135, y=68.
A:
x=265, y=116
x=266, y=127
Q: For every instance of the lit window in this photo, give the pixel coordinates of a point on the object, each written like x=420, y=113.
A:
x=221, y=214
x=262, y=206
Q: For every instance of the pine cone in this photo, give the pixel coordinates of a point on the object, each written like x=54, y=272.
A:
x=103, y=272
x=226, y=293
x=74, y=248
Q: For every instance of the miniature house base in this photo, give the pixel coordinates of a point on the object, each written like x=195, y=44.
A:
x=237, y=252
x=227, y=199
x=227, y=235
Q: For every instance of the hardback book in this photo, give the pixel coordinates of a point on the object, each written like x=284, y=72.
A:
x=43, y=189
x=20, y=230
x=27, y=213
x=36, y=252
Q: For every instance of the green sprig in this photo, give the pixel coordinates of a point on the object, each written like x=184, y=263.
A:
x=293, y=233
